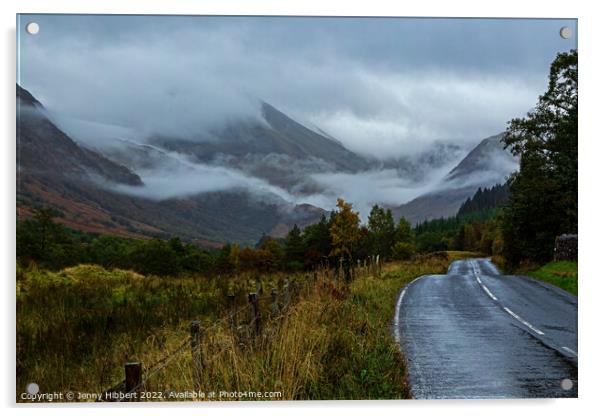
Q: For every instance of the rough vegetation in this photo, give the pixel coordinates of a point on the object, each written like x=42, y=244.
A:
x=333, y=343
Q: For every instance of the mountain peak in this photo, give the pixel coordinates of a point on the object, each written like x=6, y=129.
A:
x=311, y=143
x=46, y=150
x=489, y=155
x=25, y=97
x=487, y=164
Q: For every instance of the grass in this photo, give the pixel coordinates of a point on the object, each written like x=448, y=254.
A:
x=76, y=328
x=459, y=255
x=558, y=273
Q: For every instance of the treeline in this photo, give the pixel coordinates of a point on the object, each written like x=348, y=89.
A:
x=339, y=237
x=484, y=200
x=476, y=227
x=51, y=245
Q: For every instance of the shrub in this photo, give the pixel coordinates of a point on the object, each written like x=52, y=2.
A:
x=403, y=251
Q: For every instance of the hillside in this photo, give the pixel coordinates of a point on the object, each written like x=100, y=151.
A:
x=83, y=184
x=485, y=165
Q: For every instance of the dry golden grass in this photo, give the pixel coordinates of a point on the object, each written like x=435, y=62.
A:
x=332, y=342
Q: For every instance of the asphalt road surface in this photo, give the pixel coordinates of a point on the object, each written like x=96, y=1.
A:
x=473, y=333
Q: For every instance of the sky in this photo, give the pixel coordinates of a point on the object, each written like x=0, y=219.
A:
x=386, y=88
x=382, y=86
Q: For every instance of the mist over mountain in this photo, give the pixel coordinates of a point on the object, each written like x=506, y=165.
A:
x=488, y=164
x=270, y=154
x=45, y=150
x=268, y=171
x=95, y=193
x=274, y=116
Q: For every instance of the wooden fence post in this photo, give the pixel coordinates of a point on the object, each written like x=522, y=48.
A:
x=275, y=309
x=196, y=337
x=307, y=285
x=232, y=307
x=133, y=376
x=287, y=295
x=256, y=313
x=258, y=286
x=347, y=270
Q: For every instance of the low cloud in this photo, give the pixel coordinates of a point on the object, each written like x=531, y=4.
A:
x=183, y=77
x=386, y=89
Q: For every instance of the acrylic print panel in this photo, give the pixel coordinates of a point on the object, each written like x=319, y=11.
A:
x=295, y=208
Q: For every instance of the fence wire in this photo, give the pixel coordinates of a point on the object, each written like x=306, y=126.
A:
x=163, y=362
x=292, y=288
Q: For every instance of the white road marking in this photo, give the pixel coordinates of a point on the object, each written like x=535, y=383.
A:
x=396, y=319
x=570, y=350
x=491, y=295
x=396, y=331
x=522, y=321
x=515, y=316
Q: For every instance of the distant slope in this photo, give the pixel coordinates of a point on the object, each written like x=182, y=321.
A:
x=488, y=157
x=312, y=144
x=274, y=147
x=440, y=204
x=44, y=149
x=486, y=165
x=485, y=200
x=55, y=171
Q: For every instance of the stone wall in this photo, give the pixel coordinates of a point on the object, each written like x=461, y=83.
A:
x=566, y=247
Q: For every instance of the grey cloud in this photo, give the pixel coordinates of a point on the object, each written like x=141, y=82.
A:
x=380, y=86
x=385, y=88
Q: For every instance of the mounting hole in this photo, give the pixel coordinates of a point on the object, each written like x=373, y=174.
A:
x=566, y=384
x=566, y=32
x=32, y=388
x=32, y=28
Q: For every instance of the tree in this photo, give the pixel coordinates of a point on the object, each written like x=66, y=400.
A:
x=47, y=242
x=382, y=229
x=248, y=259
x=345, y=230
x=317, y=241
x=110, y=251
x=271, y=254
x=485, y=200
x=543, y=200
x=196, y=261
x=155, y=257
x=430, y=241
x=294, y=248
x=404, y=233
x=222, y=262
x=403, y=250
x=233, y=257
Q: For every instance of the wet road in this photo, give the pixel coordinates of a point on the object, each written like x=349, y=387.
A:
x=473, y=333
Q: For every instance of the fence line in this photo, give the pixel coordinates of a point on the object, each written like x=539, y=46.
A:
x=136, y=378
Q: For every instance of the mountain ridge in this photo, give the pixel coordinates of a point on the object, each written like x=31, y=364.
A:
x=53, y=170
x=487, y=164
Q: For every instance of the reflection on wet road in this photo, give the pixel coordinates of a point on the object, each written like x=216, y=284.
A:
x=474, y=333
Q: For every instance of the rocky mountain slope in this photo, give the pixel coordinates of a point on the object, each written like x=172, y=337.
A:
x=53, y=170
x=248, y=178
